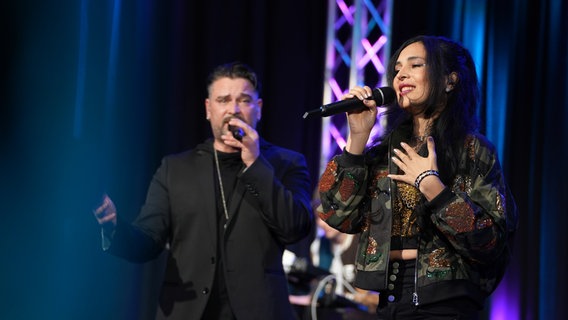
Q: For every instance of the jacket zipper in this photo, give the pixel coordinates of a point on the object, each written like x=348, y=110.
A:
x=415, y=299
x=415, y=293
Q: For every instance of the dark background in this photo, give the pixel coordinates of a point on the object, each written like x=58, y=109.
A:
x=94, y=93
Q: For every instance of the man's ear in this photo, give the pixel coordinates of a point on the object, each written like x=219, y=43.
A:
x=259, y=115
x=207, y=112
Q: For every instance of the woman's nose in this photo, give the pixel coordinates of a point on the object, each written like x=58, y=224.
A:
x=402, y=75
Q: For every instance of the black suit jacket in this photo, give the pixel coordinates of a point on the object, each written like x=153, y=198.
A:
x=269, y=208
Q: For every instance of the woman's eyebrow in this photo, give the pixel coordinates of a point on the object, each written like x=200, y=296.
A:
x=411, y=59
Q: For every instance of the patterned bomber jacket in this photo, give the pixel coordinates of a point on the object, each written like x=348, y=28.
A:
x=463, y=243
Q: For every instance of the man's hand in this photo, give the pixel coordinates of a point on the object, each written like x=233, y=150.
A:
x=249, y=144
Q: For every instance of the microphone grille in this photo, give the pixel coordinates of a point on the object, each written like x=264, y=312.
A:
x=384, y=95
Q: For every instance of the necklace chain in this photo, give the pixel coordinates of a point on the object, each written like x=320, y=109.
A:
x=421, y=138
x=221, y=186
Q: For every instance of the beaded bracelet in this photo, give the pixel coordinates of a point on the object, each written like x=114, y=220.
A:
x=424, y=175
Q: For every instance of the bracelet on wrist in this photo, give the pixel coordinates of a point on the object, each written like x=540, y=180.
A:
x=424, y=175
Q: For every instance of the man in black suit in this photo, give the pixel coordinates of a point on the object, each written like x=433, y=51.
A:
x=224, y=211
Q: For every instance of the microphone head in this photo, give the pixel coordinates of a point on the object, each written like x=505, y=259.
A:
x=384, y=95
x=237, y=132
x=381, y=96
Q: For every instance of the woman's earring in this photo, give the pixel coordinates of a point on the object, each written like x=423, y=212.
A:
x=450, y=86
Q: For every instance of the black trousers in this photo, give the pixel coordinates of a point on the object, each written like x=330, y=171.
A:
x=396, y=302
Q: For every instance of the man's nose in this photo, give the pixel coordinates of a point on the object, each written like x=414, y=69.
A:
x=234, y=108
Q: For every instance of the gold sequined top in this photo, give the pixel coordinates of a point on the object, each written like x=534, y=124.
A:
x=406, y=199
x=404, y=224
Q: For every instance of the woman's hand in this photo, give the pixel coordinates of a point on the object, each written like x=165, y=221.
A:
x=412, y=165
x=106, y=213
x=360, y=122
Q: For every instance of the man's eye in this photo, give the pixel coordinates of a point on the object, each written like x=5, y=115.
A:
x=245, y=101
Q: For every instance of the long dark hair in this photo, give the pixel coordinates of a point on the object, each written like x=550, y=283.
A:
x=457, y=117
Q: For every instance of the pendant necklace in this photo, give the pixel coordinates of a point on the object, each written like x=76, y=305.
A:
x=221, y=187
x=420, y=138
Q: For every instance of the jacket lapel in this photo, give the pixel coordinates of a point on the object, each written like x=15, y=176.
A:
x=211, y=197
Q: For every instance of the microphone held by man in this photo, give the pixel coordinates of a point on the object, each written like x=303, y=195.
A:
x=382, y=96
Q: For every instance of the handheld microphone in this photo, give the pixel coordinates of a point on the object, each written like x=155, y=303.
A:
x=237, y=132
x=382, y=96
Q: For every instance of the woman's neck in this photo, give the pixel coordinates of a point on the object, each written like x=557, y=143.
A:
x=422, y=127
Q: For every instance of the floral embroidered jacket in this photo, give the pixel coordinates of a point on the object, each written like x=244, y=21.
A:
x=465, y=232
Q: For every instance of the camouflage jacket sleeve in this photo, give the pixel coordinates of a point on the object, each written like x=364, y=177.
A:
x=473, y=212
x=342, y=191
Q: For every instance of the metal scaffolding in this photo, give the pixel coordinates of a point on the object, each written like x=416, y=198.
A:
x=358, y=44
